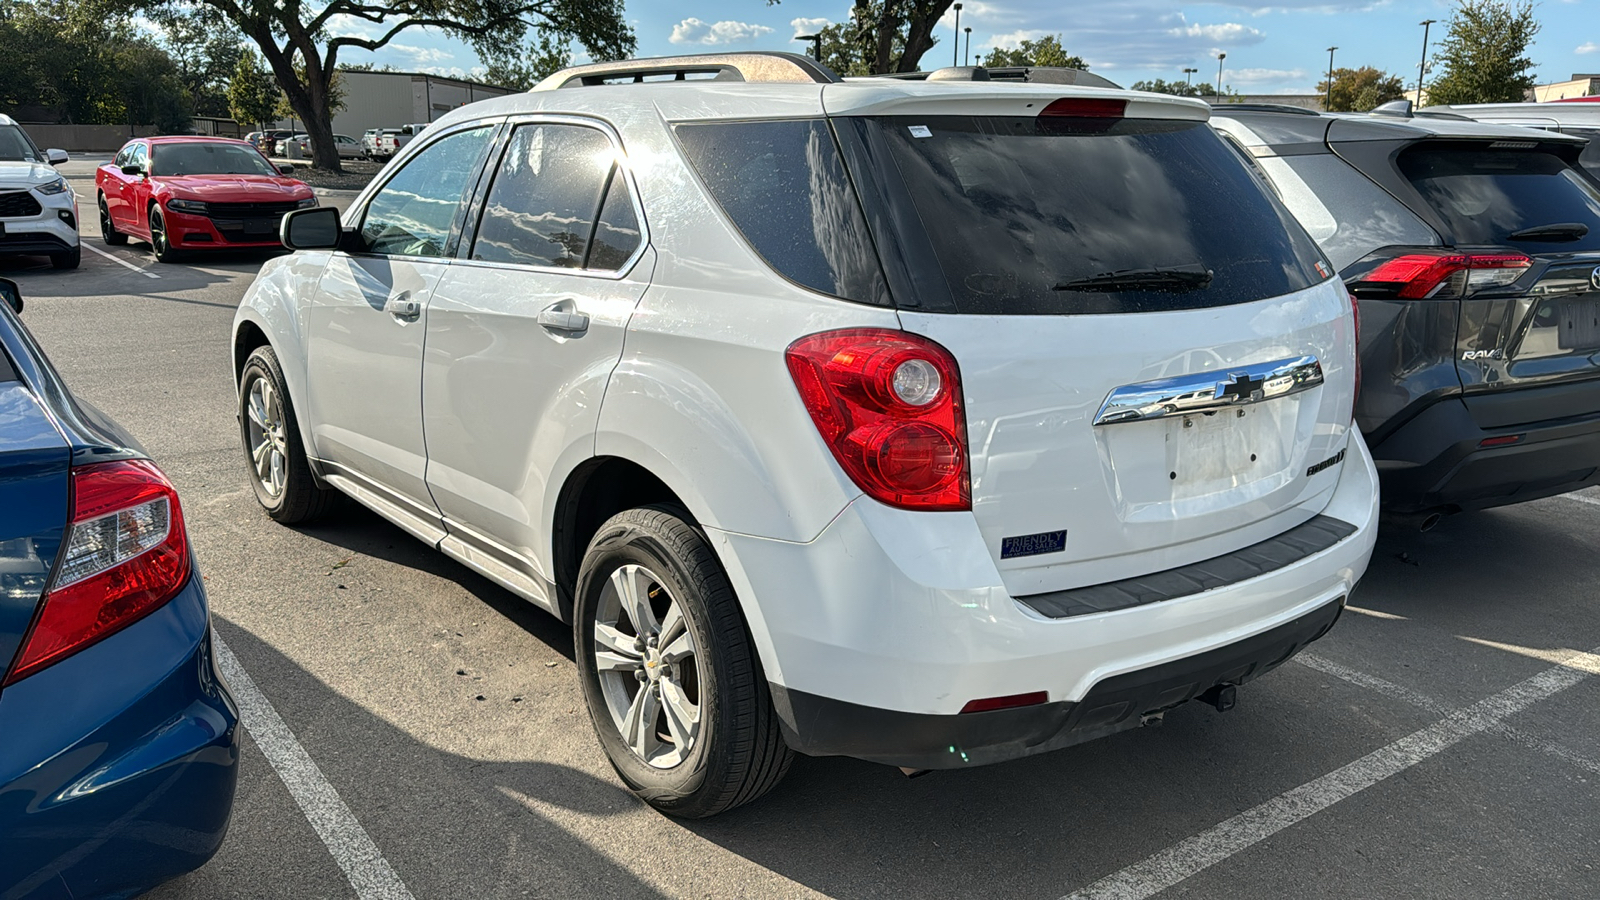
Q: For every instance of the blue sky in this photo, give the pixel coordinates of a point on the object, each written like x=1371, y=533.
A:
x=1276, y=47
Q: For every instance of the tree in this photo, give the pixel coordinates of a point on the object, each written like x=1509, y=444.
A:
x=301, y=42
x=1177, y=88
x=252, y=91
x=205, y=50
x=1046, y=51
x=544, y=56
x=1484, y=54
x=882, y=36
x=1361, y=90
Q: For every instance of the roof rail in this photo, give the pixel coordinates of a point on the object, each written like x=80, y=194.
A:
x=1224, y=106
x=759, y=65
x=1026, y=74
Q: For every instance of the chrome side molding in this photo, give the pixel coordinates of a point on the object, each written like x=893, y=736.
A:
x=1210, y=391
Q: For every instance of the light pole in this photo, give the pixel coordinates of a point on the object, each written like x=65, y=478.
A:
x=816, y=39
x=1220, y=58
x=1422, y=67
x=1327, y=105
x=1188, y=76
x=955, y=51
x=966, y=55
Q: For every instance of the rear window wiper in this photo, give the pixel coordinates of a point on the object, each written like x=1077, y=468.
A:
x=1563, y=231
x=1156, y=278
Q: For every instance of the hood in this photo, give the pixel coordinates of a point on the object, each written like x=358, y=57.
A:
x=235, y=188
x=15, y=173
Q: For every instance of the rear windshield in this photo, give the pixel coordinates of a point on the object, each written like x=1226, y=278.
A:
x=1038, y=216
x=1484, y=196
x=207, y=159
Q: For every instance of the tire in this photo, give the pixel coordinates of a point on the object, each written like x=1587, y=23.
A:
x=734, y=752
x=158, y=237
x=282, y=481
x=69, y=259
x=108, y=231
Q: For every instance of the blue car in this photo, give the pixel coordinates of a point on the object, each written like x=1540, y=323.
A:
x=119, y=742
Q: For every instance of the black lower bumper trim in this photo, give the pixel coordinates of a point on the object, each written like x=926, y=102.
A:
x=820, y=726
x=1253, y=561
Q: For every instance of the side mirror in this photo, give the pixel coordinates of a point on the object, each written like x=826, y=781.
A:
x=13, y=296
x=132, y=170
x=286, y=168
x=316, y=228
x=55, y=157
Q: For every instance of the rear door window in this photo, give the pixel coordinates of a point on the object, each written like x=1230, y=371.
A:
x=1486, y=195
x=558, y=200
x=1064, y=215
x=784, y=186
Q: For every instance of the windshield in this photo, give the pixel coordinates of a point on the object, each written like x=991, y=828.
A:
x=1036, y=216
x=198, y=158
x=15, y=146
x=1485, y=196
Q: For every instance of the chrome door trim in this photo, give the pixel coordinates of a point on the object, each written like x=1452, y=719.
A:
x=1210, y=391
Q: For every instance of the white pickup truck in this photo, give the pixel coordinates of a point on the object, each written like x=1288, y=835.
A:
x=390, y=142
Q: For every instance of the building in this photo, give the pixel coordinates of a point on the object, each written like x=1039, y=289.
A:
x=392, y=99
x=1578, y=86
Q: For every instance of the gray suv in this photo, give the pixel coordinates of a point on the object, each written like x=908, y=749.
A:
x=1473, y=251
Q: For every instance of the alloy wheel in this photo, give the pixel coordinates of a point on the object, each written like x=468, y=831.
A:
x=158, y=234
x=269, y=447
x=648, y=665
x=105, y=218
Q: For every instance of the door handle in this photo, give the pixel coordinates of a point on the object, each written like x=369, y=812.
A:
x=561, y=318
x=404, y=309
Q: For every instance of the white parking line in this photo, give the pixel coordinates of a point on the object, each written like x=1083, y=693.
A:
x=1196, y=854
x=369, y=873
x=1582, y=499
x=119, y=261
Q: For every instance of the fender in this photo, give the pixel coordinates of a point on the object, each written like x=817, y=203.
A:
x=273, y=304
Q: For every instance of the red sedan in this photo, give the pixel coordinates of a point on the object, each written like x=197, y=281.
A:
x=190, y=193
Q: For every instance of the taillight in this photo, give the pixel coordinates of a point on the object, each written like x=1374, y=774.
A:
x=126, y=554
x=888, y=404
x=1444, y=275
x=1086, y=108
x=1355, y=331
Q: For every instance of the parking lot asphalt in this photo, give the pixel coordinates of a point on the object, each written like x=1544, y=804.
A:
x=416, y=731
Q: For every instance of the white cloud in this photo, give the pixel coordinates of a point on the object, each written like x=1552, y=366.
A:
x=1259, y=76
x=1228, y=33
x=421, y=56
x=694, y=31
x=808, y=26
x=1590, y=47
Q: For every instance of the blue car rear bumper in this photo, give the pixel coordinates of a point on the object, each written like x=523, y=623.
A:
x=118, y=764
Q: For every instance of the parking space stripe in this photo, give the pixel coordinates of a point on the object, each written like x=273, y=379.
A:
x=1196, y=854
x=369, y=873
x=119, y=261
x=1582, y=498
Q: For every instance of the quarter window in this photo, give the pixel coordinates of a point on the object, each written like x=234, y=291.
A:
x=412, y=215
x=558, y=200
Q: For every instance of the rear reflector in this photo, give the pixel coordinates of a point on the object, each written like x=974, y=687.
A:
x=1423, y=276
x=1086, y=107
x=126, y=555
x=1502, y=441
x=990, y=704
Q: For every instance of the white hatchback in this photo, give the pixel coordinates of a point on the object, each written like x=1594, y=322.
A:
x=931, y=423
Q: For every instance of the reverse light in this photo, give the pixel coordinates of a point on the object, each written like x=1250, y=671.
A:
x=888, y=405
x=1086, y=108
x=1424, y=276
x=1013, y=701
x=126, y=555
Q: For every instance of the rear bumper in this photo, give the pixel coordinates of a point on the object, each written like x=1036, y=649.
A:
x=877, y=633
x=1435, y=461
x=118, y=767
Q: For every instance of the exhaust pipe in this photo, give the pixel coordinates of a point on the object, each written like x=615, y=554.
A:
x=1430, y=520
x=1221, y=697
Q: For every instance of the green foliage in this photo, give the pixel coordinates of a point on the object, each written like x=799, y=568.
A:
x=205, y=49
x=546, y=54
x=1484, y=54
x=882, y=36
x=1360, y=90
x=68, y=61
x=1046, y=51
x=1177, y=88
x=252, y=92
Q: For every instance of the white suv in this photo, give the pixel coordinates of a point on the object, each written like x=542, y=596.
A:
x=931, y=423
x=38, y=208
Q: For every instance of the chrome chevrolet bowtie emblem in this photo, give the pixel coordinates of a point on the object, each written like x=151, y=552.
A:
x=1594, y=278
x=1240, y=388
